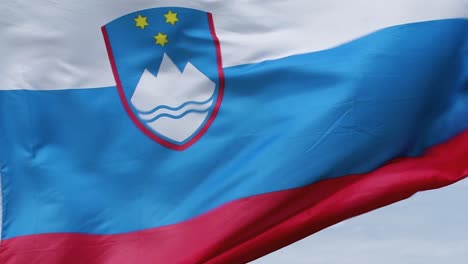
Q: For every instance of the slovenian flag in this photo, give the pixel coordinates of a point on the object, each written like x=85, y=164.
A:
x=206, y=132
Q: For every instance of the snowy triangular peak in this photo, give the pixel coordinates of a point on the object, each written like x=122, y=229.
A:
x=174, y=104
x=171, y=87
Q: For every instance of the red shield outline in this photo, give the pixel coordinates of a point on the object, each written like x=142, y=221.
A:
x=145, y=129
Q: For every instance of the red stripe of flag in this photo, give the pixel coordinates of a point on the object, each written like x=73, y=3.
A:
x=248, y=228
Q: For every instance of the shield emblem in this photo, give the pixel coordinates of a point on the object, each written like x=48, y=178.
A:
x=168, y=69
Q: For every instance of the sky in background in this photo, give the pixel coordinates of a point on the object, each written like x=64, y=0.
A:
x=429, y=228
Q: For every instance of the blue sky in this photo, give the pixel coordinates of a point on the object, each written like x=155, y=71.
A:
x=429, y=228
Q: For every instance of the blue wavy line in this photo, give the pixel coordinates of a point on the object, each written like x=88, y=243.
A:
x=174, y=108
x=176, y=116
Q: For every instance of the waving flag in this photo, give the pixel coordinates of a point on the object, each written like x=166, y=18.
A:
x=182, y=132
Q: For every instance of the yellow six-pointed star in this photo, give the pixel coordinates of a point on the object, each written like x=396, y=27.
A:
x=171, y=18
x=161, y=39
x=141, y=22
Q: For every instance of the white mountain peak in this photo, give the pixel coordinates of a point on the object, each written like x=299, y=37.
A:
x=189, y=91
x=171, y=87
